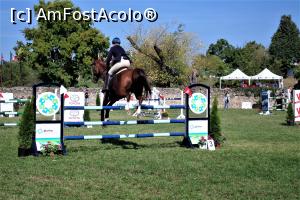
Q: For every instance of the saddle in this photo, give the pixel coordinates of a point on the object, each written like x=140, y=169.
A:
x=120, y=70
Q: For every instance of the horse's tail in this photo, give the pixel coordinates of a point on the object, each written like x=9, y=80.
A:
x=140, y=79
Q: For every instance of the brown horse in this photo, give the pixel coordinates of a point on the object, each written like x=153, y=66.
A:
x=124, y=83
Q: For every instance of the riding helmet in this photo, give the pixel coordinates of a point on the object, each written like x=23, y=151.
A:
x=116, y=40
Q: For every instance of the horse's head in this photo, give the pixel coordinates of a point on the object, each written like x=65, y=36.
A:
x=98, y=69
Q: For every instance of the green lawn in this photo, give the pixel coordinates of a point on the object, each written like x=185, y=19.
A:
x=259, y=160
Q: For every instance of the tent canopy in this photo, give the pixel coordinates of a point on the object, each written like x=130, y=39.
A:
x=263, y=75
x=266, y=75
x=236, y=75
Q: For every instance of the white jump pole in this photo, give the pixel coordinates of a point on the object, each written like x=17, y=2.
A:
x=101, y=98
x=181, y=116
x=56, y=93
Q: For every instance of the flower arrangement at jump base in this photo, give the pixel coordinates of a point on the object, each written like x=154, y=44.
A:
x=50, y=149
x=202, y=143
x=208, y=143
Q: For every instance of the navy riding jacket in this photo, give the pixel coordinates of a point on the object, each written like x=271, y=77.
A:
x=115, y=53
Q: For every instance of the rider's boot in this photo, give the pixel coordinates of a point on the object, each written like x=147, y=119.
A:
x=106, y=83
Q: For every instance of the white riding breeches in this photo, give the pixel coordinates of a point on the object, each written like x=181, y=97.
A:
x=117, y=66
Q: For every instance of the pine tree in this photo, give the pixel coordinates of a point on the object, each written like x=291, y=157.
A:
x=285, y=44
x=27, y=127
x=215, y=123
x=97, y=99
x=86, y=116
x=290, y=115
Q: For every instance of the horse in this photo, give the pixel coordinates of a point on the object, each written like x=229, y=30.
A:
x=125, y=82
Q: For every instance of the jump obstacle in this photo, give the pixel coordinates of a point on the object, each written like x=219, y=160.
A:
x=156, y=99
x=164, y=99
x=7, y=107
x=279, y=105
x=195, y=127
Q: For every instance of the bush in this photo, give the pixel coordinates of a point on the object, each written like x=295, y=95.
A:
x=27, y=127
x=47, y=149
x=248, y=92
x=86, y=115
x=215, y=123
x=164, y=114
x=290, y=119
x=97, y=99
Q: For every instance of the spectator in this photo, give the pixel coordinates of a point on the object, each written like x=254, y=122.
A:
x=297, y=86
x=193, y=76
x=86, y=96
x=226, y=100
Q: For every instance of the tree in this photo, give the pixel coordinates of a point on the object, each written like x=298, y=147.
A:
x=285, y=44
x=215, y=125
x=251, y=59
x=165, y=55
x=290, y=118
x=61, y=50
x=222, y=49
x=297, y=72
x=97, y=99
x=26, y=129
x=86, y=115
x=210, y=66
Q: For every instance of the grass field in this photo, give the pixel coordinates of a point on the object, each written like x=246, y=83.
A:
x=259, y=160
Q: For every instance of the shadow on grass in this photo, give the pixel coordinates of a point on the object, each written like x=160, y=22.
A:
x=119, y=143
x=132, y=145
x=287, y=125
x=124, y=144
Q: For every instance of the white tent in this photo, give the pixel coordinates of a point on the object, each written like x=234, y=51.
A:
x=268, y=75
x=235, y=75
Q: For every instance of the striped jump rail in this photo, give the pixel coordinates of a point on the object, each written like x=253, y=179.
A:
x=120, y=136
x=11, y=113
x=14, y=101
x=167, y=99
x=123, y=107
x=9, y=124
x=131, y=122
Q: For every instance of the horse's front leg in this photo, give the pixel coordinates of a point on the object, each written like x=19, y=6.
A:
x=127, y=107
x=139, y=110
x=105, y=102
x=107, y=111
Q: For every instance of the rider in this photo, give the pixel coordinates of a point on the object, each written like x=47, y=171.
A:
x=118, y=58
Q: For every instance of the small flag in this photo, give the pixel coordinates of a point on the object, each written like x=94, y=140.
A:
x=188, y=91
x=15, y=58
x=62, y=90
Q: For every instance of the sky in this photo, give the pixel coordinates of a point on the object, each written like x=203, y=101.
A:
x=237, y=21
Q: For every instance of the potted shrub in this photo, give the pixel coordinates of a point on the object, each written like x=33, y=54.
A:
x=26, y=130
x=86, y=115
x=215, y=127
x=97, y=99
x=290, y=120
x=165, y=115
